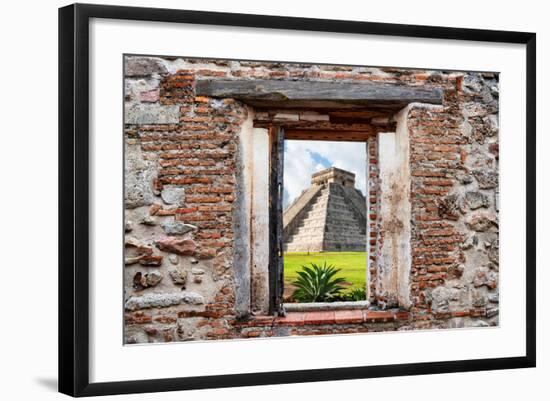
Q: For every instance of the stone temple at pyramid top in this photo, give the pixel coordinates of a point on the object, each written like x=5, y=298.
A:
x=335, y=175
x=328, y=216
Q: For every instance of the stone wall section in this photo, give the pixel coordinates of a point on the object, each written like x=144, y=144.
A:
x=454, y=168
x=182, y=174
x=181, y=205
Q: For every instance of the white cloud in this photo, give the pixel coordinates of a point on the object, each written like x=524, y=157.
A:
x=302, y=160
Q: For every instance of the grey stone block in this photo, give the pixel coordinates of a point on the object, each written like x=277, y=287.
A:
x=173, y=227
x=172, y=195
x=476, y=200
x=143, y=66
x=151, y=114
x=138, y=177
x=487, y=179
x=163, y=300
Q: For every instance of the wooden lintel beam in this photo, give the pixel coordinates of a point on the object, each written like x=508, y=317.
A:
x=360, y=113
x=317, y=125
x=259, y=92
x=320, y=135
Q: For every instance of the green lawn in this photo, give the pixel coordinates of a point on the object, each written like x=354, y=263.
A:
x=353, y=265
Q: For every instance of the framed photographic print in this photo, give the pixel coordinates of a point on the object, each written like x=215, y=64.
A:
x=308, y=200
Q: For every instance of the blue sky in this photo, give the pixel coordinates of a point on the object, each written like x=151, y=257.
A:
x=320, y=159
x=303, y=158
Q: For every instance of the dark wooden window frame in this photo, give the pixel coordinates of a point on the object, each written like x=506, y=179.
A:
x=276, y=273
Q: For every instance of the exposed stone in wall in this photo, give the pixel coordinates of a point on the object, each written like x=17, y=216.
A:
x=151, y=114
x=476, y=199
x=487, y=179
x=172, y=195
x=145, y=280
x=143, y=67
x=162, y=300
x=177, y=227
x=181, y=246
x=139, y=174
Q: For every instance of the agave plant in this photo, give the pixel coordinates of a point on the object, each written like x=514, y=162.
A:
x=356, y=294
x=317, y=284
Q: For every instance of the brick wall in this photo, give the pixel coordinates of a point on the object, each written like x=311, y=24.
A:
x=182, y=174
x=374, y=238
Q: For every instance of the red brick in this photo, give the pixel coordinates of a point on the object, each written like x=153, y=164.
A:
x=432, y=191
x=205, y=253
x=185, y=181
x=291, y=319
x=218, y=332
x=348, y=316
x=196, y=217
x=150, y=96
x=202, y=99
x=163, y=212
x=208, y=235
x=478, y=312
x=137, y=318
x=154, y=208
x=212, y=190
x=426, y=217
x=211, y=73
x=262, y=320
x=378, y=316
x=186, y=210
x=402, y=315
x=213, y=244
x=165, y=319
x=202, y=199
x=319, y=317
x=195, y=119
x=446, y=148
x=441, y=183
x=427, y=173
x=215, y=208
x=439, y=233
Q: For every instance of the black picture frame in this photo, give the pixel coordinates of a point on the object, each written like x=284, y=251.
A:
x=74, y=198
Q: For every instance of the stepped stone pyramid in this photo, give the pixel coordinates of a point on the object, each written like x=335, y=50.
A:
x=328, y=216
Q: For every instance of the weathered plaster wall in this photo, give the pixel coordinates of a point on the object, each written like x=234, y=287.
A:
x=394, y=251
x=190, y=213
x=259, y=220
x=242, y=215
